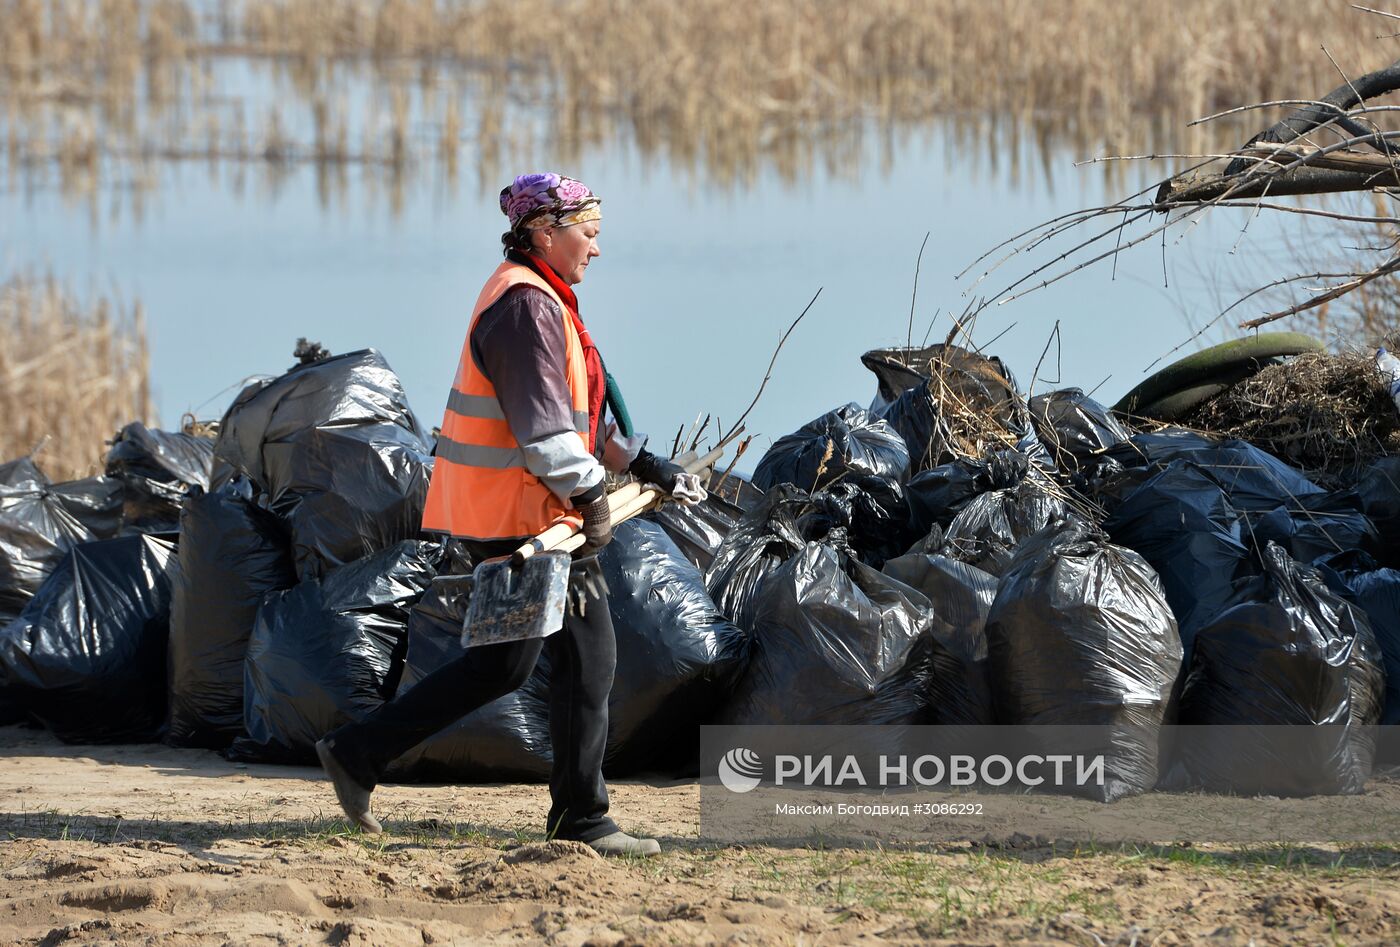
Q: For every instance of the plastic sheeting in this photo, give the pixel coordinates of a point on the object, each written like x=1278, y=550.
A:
x=836, y=642
x=678, y=658
x=329, y=651
x=839, y=445
x=1181, y=522
x=1287, y=651
x=86, y=657
x=40, y=522
x=157, y=469
x=1080, y=633
x=1075, y=428
x=960, y=596
x=232, y=553
x=337, y=452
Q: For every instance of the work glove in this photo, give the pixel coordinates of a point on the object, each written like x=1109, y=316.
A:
x=597, y=524
x=671, y=478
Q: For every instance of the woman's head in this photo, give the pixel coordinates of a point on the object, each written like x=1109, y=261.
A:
x=554, y=217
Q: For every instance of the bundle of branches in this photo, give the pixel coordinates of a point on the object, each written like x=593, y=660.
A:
x=952, y=401
x=1328, y=415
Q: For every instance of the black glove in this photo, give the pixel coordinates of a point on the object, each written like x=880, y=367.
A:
x=657, y=470
x=597, y=524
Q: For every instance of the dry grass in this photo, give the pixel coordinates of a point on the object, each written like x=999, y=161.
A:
x=71, y=374
x=1328, y=415
x=729, y=86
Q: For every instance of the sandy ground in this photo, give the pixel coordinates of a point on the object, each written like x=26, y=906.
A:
x=151, y=845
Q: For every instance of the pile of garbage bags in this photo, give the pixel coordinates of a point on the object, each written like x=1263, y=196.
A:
x=955, y=554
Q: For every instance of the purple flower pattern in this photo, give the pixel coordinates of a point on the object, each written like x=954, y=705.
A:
x=533, y=196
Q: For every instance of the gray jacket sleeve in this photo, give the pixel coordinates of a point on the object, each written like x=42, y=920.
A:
x=519, y=346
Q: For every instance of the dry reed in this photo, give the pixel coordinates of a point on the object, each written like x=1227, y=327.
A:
x=71, y=374
x=1328, y=415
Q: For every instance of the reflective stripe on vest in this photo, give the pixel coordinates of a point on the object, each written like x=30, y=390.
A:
x=485, y=406
x=481, y=488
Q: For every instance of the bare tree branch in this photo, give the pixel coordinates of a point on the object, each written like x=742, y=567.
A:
x=1390, y=266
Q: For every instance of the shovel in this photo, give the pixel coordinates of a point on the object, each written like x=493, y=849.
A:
x=523, y=596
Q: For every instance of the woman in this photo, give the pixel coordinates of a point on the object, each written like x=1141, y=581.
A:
x=526, y=442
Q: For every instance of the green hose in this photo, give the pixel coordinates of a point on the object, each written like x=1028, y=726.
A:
x=1186, y=383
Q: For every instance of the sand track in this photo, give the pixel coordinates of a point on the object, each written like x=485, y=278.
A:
x=151, y=845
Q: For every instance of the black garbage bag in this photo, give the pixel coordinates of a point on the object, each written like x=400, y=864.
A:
x=363, y=490
x=1108, y=483
x=506, y=740
x=96, y=502
x=937, y=495
x=874, y=514
x=763, y=540
x=22, y=472
x=678, y=658
x=328, y=651
x=960, y=596
x=1075, y=428
x=157, y=469
x=988, y=531
x=835, y=642
x=335, y=450
x=1286, y=651
x=1081, y=634
x=699, y=530
x=1379, y=490
x=1253, y=479
x=897, y=370
x=86, y=657
x=1317, y=525
x=917, y=416
x=40, y=522
x=1181, y=522
x=1376, y=592
x=1159, y=447
x=736, y=488
x=839, y=445
x=232, y=553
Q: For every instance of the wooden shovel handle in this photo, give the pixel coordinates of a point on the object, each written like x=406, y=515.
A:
x=623, y=504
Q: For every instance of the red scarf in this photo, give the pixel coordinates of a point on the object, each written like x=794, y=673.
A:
x=593, y=362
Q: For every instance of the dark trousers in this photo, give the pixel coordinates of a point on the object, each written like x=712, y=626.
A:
x=582, y=657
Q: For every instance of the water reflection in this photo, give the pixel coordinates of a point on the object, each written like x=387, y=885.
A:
x=104, y=98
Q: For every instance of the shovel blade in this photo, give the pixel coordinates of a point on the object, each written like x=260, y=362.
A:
x=515, y=603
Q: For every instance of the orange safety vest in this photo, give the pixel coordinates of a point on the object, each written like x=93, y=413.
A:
x=480, y=487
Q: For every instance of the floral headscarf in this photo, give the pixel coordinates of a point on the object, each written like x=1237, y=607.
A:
x=532, y=201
